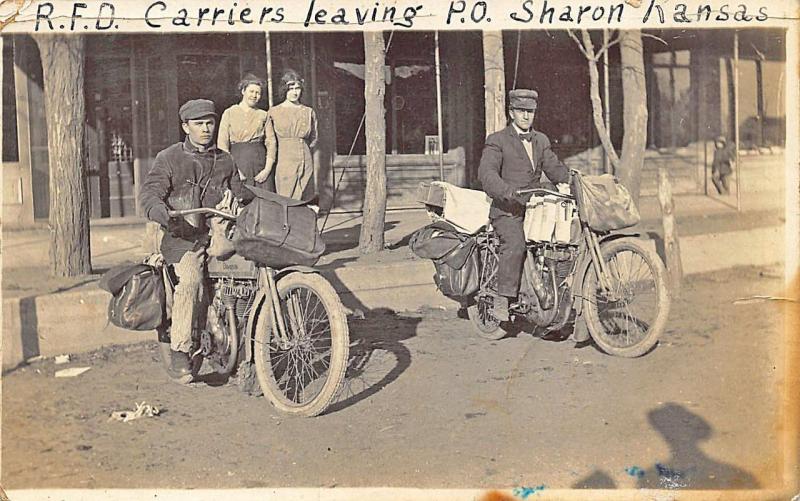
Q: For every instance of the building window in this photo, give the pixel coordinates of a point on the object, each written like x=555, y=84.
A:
x=673, y=120
x=10, y=138
x=209, y=76
x=410, y=100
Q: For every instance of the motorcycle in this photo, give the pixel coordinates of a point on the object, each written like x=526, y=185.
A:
x=609, y=282
x=290, y=322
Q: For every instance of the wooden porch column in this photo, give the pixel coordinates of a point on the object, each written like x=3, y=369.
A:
x=136, y=73
x=23, y=117
x=494, y=81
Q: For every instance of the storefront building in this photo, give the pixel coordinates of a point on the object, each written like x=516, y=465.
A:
x=135, y=84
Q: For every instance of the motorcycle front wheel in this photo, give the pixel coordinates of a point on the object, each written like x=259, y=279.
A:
x=628, y=321
x=301, y=375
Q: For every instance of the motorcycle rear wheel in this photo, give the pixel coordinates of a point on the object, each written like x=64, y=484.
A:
x=302, y=376
x=486, y=326
x=630, y=325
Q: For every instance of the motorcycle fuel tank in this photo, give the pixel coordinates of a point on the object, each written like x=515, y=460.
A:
x=234, y=267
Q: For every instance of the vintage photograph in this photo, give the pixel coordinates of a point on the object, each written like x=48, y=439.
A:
x=525, y=260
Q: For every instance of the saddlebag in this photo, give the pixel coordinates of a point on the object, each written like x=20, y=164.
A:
x=138, y=297
x=278, y=231
x=454, y=256
x=605, y=204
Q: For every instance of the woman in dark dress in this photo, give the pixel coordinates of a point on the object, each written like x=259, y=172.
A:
x=242, y=133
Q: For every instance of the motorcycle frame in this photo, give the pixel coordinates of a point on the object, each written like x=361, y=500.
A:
x=267, y=297
x=589, y=256
x=592, y=257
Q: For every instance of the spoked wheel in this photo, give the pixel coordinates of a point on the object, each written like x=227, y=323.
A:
x=480, y=309
x=487, y=327
x=628, y=321
x=302, y=374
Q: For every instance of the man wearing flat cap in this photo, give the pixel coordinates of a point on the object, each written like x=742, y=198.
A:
x=187, y=175
x=514, y=159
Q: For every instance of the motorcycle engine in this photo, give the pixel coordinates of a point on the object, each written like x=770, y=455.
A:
x=239, y=295
x=555, y=265
x=561, y=260
x=228, y=293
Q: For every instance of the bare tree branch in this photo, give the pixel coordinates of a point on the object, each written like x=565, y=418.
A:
x=654, y=37
x=597, y=103
x=579, y=44
x=611, y=42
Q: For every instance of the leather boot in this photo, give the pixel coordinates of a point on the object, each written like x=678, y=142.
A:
x=180, y=369
x=500, y=309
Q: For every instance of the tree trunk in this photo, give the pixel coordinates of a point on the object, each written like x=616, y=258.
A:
x=62, y=66
x=634, y=89
x=672, y=248
x=371, y=238
x=495, y=81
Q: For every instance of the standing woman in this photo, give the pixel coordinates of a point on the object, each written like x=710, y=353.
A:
x=291, y=132
x=242, y=131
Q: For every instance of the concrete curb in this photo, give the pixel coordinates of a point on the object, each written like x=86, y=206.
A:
x=75, y=321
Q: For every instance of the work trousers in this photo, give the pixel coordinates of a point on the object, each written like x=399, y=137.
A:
x=511, y=252
x=187, y=299
x=720, y=181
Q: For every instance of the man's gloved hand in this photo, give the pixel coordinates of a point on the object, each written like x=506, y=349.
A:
x=516, y=198
x=159, y=214
x=179, y=227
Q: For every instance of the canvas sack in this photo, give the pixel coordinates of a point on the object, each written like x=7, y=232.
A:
x=605, y=204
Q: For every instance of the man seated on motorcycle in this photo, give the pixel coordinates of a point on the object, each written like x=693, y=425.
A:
x=514, y=159
x=187, y=175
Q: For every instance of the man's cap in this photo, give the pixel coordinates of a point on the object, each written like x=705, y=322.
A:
x=523, y=99
x=197, y=108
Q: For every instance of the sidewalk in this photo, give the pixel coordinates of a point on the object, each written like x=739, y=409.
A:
x=47, y=316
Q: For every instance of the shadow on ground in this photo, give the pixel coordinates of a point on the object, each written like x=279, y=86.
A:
x=688, y=467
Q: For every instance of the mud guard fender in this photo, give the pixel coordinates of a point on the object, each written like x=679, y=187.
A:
x=586, y=263
x=260, y=301
x=298, y=268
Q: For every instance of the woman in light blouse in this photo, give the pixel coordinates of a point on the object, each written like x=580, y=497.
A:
x=291, y=133
x=242, y=131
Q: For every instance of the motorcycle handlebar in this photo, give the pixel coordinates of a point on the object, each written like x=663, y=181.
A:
x=542, y=191
x=201, y=210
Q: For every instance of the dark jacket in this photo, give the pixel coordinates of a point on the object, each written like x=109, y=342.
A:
x=722, y=160
x=505, y=168
x=182, y=177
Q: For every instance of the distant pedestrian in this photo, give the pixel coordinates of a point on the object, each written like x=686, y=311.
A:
x=721, y=167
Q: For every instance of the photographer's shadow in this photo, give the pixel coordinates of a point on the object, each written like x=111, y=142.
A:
x=688, y=466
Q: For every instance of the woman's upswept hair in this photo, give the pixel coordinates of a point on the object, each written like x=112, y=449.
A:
x=289, y=77
x=250, y=79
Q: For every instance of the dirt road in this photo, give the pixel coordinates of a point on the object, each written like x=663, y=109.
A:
x=433, y=405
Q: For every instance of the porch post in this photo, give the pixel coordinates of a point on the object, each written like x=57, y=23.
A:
x=494, y=81
x=736, y=118
x=606, y=98
x=269, y=69
x=439, y=107
x=137, y=133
